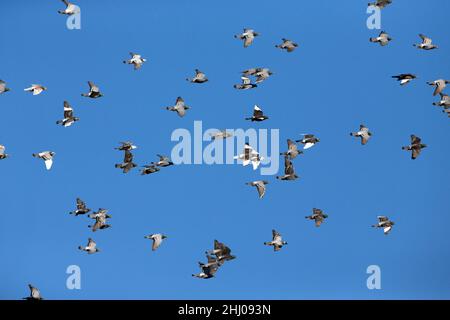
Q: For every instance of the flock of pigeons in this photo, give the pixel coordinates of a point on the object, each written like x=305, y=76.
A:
x=222, y=253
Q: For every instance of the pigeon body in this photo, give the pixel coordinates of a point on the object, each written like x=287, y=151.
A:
x=384, y=223
x=416, y=146
x=277, y=241
x=222, y=252
x=405, y=78
x=157, y=239
x=90, y=248
x=245, y=85
x=35, y=294
x=250, y=156
x=100, y=224
x=380, y=4
x=81, y=208
x=292, y=151
x=136, y=60
x=248, y=36
x=444, y=102
x=36, y=89
x=149, y=169
x=260, y=186
x=289, y=172
x=70, y=8
x=440, y=85
x=258, y=115
x=383, y=39
x=199, y=77
x=207, y=271
x=94, y=91
x=308, y=141
x=318, y=216
x=180, y=107
x=287, y=45
x=427, y=43
x=69, y=118
x=127, y=145
x=164, y=161
x=363, y=133
x=47, y=156
x=127, y=163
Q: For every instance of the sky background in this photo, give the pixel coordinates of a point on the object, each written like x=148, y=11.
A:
x=332, y=83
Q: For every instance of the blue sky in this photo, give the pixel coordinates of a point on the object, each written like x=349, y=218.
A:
x=333, y=82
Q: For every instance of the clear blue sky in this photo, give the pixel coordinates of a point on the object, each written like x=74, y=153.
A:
x=333, y=82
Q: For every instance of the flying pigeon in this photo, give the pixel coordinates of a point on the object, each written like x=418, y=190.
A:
x=47, y=156
x=81, y=208
x=36, y=89
x=100, y=224
x=258, y=115
x=200, y=77
x=164, y=161
x=101, y=213
x=426, y=43
x=383, y=39
x=262, y=74
x=293, y=151
x=364, y=133
x=207, y=271
x=34, y=294
x=70, y=8
x=248, y=36
x=149, y=169
x=439, y=84
x=3, y=155
x=127, y=145
x=179, y=107
x=385, y=223
x=277, y=241
x=135, y=60
x=404, y=78
x=68, y=116
x=444, y=102
x=221, y=251
x=416, y=146
x=260, y=186
x=157, y=240
x=250, y=156
x=380, y=4
x=289, y=172
x=245, y=85
x=3, y=87
x=223, y=134
x=308, y=141
x=287, y=45
x=94, y=91
x=128, y=163
x=90, y=248
x=318, y=216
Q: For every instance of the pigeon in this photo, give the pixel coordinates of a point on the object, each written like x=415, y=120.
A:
x=47, y=156
x=69, y=119
x=260, y=186
x=258, y=115
x=250, y=156
x=426, y=43
x=212, y=261
x=100, y=224
x=207, y=271
x=223, y=134
x=245, y=85
x=35, y=89
x=277, y=241
x=94, y=91
x=248, y=36
x=164, y=161
x=149, y=169
x=128, y=163
x=262, y=74
x=91, y=247
x=439, y=84
x=308, y=141
x=200, y=77
x=318, y=216
x=127, y=145
x=70, y=8
x=3, y=87
x=416, y=146
x=101, y=213
x=383, y=39
x=385, y=223
x=444, y=102
x=287, y=45
x=179, y=107
x=363, y=132
x=35, y=294
x=404, y=78
x=289, y=173
x=221, y=251
x=380, y=4
x=81, y=208
x=3, y=154
x=135, y=60
x=293, y=151
x=157, y=240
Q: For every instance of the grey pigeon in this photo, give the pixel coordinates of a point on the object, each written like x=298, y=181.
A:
x=245, y=85
x=277, y=241
x=149, y=169
x=287, y=45
x=444, y=102
x=289, y=172
x=180, y=107
x=292, y=151
x=157, y=239
x=427, y=43
x=363, y=133
x=258, y=115
x=126, y=145
x=91, y=247
x=416, y=146
x=164, y=161
x=404, y=78
x=127, y=163
x=81, y=208
x=70, y=8
x=200, y=77
x=94, y=91
x=385, y=223
x=248, y=36
x=383, y=39
x=69, y=118
x=439, y=84
x=318, y=216
x=136, y=60
x=380, y=4
x=3, y=87
x=35, y=294
x=260, y=186
x=308, y=141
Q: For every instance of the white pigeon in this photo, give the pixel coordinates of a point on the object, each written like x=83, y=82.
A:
x=36, y=89
x=47, y=156
x=70, y=8
x=250, y=156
